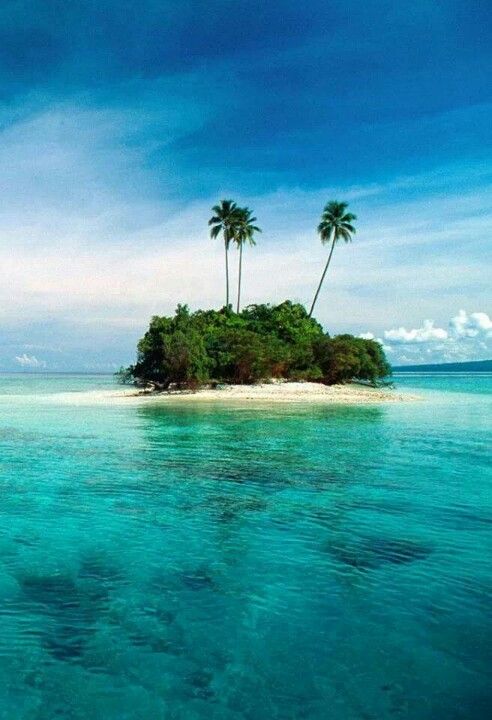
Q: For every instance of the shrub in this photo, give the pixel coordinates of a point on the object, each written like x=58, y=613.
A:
x=262, y=342
x=345, y=358
x=172, y=351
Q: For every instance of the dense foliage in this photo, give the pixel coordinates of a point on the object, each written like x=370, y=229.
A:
x=261, y=342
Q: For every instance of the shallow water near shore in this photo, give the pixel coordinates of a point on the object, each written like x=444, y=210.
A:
x=205, y=561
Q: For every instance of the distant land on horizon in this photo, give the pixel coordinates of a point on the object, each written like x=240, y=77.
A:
x=469, y=366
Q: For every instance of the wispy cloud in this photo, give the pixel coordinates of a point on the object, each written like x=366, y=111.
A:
x=30, y=361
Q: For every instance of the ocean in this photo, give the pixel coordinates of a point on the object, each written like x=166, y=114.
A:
x=254, y=563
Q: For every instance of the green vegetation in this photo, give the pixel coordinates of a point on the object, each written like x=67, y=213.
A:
x=260, y=343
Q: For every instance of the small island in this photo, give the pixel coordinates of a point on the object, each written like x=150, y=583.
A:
x=261, y=351
x=262, y=345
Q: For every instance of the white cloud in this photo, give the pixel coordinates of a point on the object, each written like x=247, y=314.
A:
x=468, y=337
x=29, y=361
x=476, y=324
x=367, y=336
x=426, y=333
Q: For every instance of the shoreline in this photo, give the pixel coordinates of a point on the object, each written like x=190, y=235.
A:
x=283, y=392
x=263, y=394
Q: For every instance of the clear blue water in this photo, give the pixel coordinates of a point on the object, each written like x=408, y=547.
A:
x=188, y=562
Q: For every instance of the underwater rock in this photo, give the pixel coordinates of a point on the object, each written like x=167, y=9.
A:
x=400, y=552
x=27, y=542
x=53, y=591
x=199, y=684
x=72, y=610
x=155, y=639
x=163, y=615
x=66, y=643
x=197, y=580
x=95, y=568
x=372, y=554
x=229, y=508
x=61, y=597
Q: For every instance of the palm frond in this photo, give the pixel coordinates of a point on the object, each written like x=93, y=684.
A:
x=343, y=234
x=243, y=228
x=335, y=208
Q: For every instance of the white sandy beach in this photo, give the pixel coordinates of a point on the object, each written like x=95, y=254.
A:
x=265, y=393
x=284, y=392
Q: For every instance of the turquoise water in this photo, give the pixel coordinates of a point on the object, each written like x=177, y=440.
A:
x=210, y=562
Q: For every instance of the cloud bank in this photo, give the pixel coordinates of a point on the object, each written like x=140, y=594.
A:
x=468, y=336
x=477, y=325
x=426, y=333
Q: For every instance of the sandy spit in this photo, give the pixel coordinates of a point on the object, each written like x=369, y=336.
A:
x=287, y=392
x=265, y=393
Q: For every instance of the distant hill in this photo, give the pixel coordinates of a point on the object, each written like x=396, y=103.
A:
x=472, y=366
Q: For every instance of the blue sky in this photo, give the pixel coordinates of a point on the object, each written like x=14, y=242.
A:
x=122, y=122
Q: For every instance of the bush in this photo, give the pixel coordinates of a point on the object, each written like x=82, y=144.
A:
x=242, y=356
x=345, y=358
x=172, y=351
x=262, y=342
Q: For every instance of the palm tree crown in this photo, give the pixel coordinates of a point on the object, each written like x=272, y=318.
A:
x=244, y=228
x=223, y=219
x=336, y=224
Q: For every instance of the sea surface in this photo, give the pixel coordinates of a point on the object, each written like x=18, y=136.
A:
x=180, y=562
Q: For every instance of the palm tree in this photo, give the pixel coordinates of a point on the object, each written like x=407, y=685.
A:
x=244, y=233
x=223, y=221
x=335, y=225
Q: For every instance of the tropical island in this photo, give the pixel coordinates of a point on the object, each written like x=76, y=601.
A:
x=261, y=343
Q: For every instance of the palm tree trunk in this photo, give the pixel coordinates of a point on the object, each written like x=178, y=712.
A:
x=322, y=277
x=239, y=277
x=227, y=270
